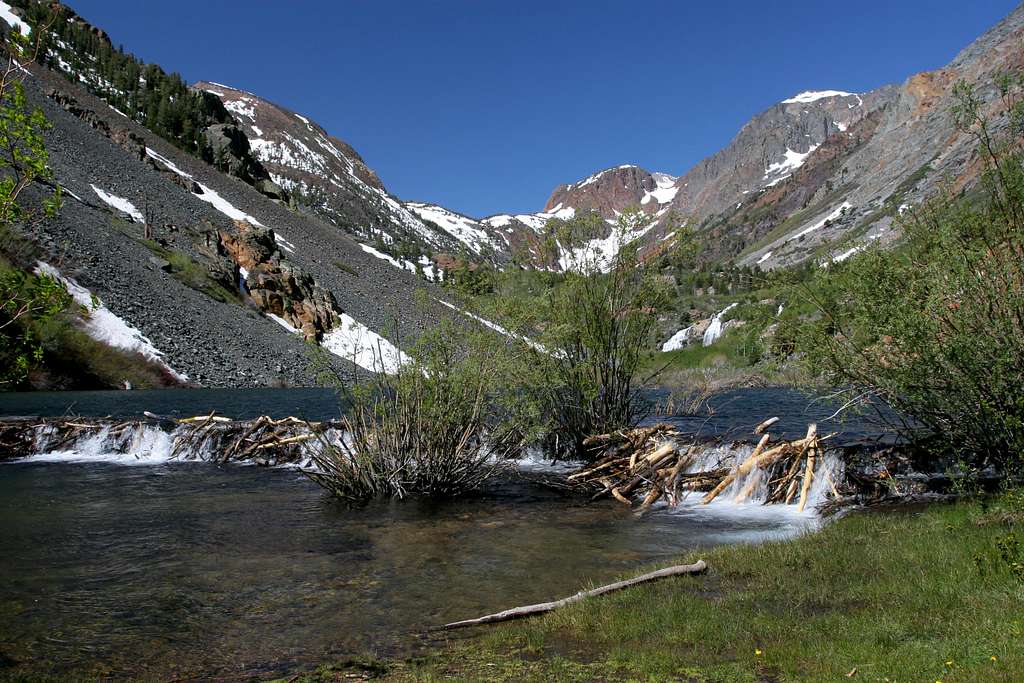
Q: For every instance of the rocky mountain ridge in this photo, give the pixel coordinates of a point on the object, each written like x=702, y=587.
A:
x=223, y=284
x=818, y=175
x=766, y=199
x=232, y=256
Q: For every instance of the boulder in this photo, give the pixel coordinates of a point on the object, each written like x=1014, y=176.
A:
x=249, y=246
x=160, y=264
x=232, y=154
x=269, y=188
x=231, y=151
x=130, y=142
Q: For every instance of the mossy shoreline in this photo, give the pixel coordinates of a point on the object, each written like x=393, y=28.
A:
x=924, y=594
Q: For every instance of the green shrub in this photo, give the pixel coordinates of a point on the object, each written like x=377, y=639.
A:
x=936, y=329
x=442, y=424
x=597, y=326
x=26, y=300
x=191, y=273
x=345, y=268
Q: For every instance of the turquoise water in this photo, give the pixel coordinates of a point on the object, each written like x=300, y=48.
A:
x=734, y=412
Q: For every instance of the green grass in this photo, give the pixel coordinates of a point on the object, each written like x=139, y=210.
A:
x=898, y=596
x=74, y=360
x=189, y=272
x=345, y=268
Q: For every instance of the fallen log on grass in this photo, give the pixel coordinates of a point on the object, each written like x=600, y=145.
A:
x=697, y=567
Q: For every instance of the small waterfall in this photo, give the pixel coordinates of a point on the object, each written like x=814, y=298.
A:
x=95, y=445
x=294, y=443
x=678, y=340
x=153, y=443
x=752, y=489
x=714, y=330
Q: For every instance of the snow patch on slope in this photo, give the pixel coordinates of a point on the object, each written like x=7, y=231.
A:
x=856, y=249
x=665, y=191
x=208, y=195
x=431, y=272
x=534, y=221
x=597, y=176
x=790, y=162
x=464, y=229
x=499, y=221
x=14, y=20
x=815, y=95
x=401, y=265
x=600, y=253
x=104, y=326
x=356, y=342
x=244, y=106
x=831, y=217
x=119, y=203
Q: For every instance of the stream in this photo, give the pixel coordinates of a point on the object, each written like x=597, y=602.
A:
x=168, y=569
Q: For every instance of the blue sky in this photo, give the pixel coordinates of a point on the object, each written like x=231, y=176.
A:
x=485, y=106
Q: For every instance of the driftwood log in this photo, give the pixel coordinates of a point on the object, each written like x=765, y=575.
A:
x=697, y=567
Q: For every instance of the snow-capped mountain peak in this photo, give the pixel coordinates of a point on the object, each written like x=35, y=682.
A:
x=815, y=95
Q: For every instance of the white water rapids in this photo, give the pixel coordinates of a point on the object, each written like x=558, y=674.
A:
x=149, y=444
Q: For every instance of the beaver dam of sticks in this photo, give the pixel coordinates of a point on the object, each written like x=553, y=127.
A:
x=641, y=466
x=638, y=467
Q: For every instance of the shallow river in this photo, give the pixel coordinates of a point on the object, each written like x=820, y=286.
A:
x=177, y=570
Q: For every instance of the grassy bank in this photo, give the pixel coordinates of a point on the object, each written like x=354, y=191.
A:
x=921, y=595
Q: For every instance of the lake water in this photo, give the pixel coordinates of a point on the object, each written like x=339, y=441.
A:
x=735, y=412
x=184, y=570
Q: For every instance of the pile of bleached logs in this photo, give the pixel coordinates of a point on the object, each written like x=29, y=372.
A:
x=263, y=441
x=244, y=440
x=639, y=467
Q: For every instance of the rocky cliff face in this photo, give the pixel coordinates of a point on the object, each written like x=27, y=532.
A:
x=902, y=154
x=276, y=286
x=612, y=191
x=771, y=147
x=327, y=176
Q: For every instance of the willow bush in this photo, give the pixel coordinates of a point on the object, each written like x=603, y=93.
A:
x=27, y=300
x=596, y=328
x=439, y=425
x=936, y=328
